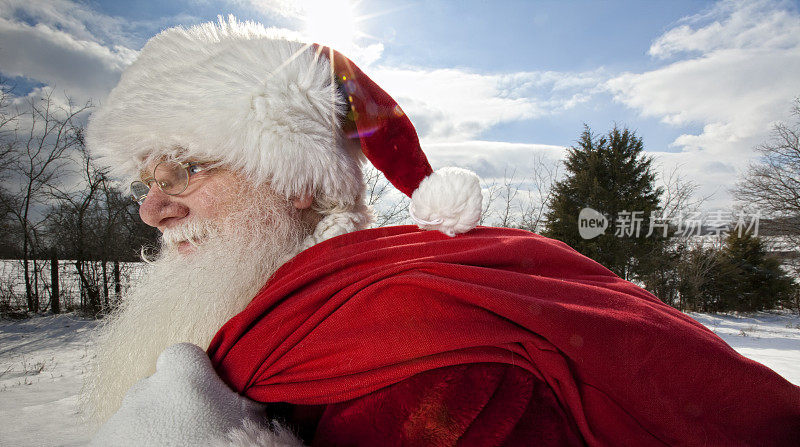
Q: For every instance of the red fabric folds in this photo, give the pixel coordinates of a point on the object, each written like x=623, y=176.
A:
x=365, y=310
x=480, y=404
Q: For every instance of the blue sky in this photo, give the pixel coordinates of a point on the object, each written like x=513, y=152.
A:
x=491, y=84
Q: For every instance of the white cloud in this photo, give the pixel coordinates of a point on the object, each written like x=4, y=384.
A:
x=281, y=8
x=754, y=24
x=735, y=75
x=62, y=44
x=451, y=103
x=80, y=67
x=492, y=159
x=736, y=86
x=458, y=105
x=72, y=18
x=69, y=46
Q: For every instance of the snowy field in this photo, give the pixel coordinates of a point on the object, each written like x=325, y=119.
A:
x=42, y=365
x=43, y=361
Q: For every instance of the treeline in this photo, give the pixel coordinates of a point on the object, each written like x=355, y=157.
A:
x=57, y=207
x=610, y=208
x=56, y=204
x=650, y=226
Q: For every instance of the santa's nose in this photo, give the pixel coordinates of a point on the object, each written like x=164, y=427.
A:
x=161, y=210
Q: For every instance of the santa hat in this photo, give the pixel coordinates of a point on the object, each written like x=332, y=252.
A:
x=278, y=110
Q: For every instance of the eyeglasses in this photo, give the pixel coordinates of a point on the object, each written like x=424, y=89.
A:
x=172, y=178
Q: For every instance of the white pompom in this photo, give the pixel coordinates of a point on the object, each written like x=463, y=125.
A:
x=449, y=200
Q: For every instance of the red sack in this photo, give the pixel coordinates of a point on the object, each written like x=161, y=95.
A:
x=369, y=309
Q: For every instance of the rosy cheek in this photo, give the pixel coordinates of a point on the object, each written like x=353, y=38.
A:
x=206, y=203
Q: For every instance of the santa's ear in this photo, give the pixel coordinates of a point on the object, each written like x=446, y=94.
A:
x=303, y=202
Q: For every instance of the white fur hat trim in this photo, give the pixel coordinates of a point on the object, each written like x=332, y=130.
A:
x=234, y=92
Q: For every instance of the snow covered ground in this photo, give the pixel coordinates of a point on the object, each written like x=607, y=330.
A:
x=42, y=364
x=43, y=361
x=772, y=339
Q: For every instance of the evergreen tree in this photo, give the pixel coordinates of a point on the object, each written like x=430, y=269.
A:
x=708, y=280
x=758, y=282
x=611, y=175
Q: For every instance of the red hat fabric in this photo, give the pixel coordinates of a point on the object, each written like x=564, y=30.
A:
x=448, y=200
x=387, y=137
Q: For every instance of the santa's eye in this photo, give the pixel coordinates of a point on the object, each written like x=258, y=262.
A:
x=194, y=168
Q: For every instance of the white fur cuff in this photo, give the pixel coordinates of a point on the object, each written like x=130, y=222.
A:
x=185, y=403
x=253, y=434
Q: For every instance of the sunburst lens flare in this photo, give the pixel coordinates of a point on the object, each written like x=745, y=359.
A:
x=331, y=23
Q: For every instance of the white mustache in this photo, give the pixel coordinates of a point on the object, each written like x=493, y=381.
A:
x=194, y=232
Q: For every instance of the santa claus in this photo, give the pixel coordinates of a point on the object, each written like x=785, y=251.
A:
x=272, y=316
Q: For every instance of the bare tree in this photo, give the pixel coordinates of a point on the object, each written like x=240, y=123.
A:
x=679, y=196
x=507, y=202
x=388, y=208
x=515, y=202
x=771, y=186
x=543, y=177
x=773, y=183
x=678, y=267
x=8, y=125
x=42, y=146
x=74, y=222
x=491, y=191
x=694, y=270
x=509, y=191
x=9, y=118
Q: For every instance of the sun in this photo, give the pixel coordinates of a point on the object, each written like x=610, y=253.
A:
x=331, y=22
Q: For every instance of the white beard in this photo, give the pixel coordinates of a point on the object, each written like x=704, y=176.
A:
x=187, y=298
